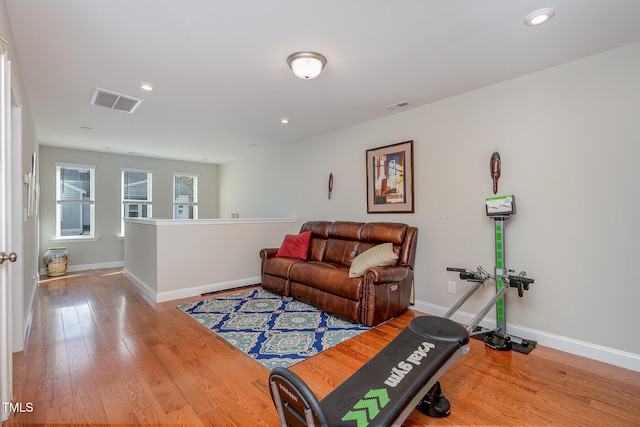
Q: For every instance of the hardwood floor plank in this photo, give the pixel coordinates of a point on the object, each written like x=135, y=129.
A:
x=118, y=407
x=57, y=376
x=87, y=406
x=152, y=372
x=31, y=389
x=221, y=417
x=183, y=379
x=184, y=417
x=147, y=408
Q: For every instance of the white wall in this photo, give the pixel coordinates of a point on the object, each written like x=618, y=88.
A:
x=24, y=143
x=109, y=249
x=172, y=259
x=569, y=138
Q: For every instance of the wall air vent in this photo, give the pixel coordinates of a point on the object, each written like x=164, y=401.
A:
x=398, y=105
x=114, y=100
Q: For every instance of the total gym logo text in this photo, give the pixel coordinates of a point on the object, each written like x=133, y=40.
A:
x=368, y=408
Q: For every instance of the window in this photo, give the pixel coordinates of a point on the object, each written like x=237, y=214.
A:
x=136, y=194
x=75, y=200
x=185, y=196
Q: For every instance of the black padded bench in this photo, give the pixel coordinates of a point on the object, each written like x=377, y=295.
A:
x=386, y=389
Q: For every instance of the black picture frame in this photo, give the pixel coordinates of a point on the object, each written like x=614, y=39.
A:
x=390, y=179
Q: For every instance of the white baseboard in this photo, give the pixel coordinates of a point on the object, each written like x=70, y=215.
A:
x=32, y=298
x=609, y=355
x=148, y=293
x=157, y=297
x=199, y=290
x=84, y=267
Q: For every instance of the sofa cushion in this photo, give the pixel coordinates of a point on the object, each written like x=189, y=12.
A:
x=317, y=249
x=295, y=246
x=378, y=256
x=317, y=228
x=342, y=251
x=319, y=234
x=328, y=277
x=382, y=232
x=279, y=267
x=346, y=230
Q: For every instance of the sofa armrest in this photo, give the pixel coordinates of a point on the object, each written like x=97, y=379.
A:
x=379, y=275
x=387, y=293
x=267, y=253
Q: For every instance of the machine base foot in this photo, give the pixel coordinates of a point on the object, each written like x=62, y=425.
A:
x=434, y=403
x=498, y=342
x=501, y=342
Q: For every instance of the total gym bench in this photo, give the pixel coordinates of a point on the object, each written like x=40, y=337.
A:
x=402, y=377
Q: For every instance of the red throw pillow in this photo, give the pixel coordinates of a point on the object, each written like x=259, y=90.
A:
x=295, y=246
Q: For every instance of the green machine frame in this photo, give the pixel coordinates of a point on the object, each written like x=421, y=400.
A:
x=501, y=315
x=500, y=209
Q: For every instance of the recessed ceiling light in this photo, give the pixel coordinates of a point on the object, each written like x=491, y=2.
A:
x=284, y=121
x=147, y=86
x=539, y=17
x=87, y=128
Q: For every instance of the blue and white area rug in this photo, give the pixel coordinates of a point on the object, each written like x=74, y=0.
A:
x=273, y=330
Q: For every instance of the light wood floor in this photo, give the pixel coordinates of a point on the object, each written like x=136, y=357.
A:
x=97, y=353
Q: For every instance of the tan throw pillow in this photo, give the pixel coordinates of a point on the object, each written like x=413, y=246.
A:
x=378, y=256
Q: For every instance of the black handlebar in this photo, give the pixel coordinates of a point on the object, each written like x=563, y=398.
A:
x=522, y=279
x=468, y=275
x=520, y=282
x=471, y=276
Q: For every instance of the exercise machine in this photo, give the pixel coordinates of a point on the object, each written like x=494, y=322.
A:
x=496, y=338
x=500, y=209
x=401, y=377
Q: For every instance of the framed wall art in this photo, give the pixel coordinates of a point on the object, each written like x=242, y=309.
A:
x=390, y=179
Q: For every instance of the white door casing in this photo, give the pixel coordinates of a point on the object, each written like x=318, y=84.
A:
x=5, y=235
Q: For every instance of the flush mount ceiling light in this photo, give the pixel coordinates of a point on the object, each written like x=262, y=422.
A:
x=306, y=65
x=539, y=17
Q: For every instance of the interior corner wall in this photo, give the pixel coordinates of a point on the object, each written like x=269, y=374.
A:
x=24, y=139
x=109, y=248
x=569, y=139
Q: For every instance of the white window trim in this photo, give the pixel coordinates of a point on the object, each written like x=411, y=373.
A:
x=73, y=239
x=195, y=198
x=148, y=202
x=92, y=236
x=76, y=165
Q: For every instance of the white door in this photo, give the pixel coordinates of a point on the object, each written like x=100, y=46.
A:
x=5, y=235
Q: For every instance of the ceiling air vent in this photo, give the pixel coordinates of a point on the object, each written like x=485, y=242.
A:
x=114, y=100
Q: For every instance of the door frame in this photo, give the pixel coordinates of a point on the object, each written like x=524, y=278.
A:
x=6, y=233
x=18, y=217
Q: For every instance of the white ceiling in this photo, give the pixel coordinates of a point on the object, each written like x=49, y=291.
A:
x=221, y=74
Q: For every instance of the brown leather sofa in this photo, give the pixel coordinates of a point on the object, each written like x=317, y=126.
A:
x=323, y=278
